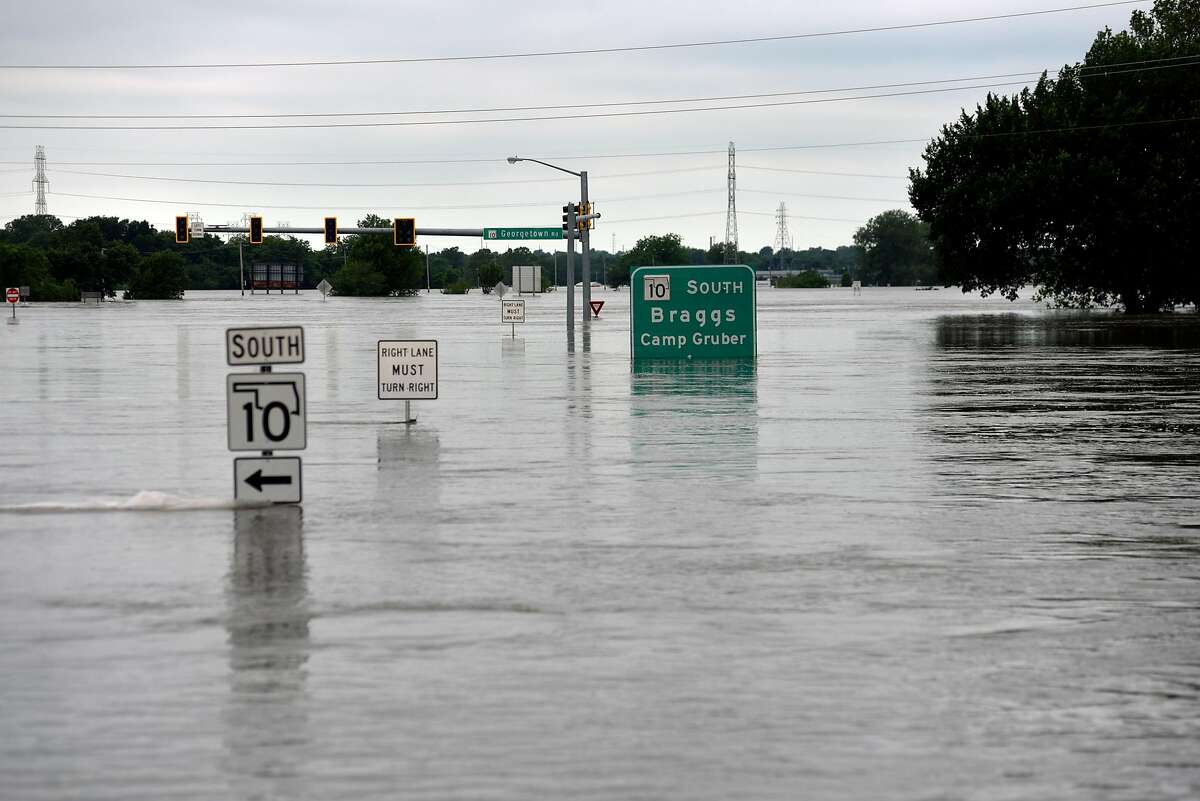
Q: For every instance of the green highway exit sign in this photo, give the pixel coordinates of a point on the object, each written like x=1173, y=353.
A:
x=523, y=233
x=692, y=312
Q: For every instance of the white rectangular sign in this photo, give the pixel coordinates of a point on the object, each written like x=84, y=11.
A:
x=512, y=311
x=266, y=411
x=408, y=369
x=279, y=345
x=267, y=478
x=656, y=287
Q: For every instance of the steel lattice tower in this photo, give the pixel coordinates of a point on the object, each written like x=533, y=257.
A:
x=731, y=238
x=783, y=239
x=39, y=179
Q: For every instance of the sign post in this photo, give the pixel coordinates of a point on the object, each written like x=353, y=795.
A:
x=12, y=295
x=512, y=311
x=266, y=412
x=692, y=312
x=407, y=370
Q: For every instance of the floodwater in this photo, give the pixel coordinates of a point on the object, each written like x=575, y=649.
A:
x=929, y=547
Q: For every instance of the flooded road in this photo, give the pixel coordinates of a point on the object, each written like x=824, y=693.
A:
x=928, y=547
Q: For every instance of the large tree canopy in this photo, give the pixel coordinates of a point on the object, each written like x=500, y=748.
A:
x=1087, y=185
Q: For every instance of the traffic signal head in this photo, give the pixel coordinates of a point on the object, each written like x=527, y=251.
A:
x=331, y=230
x=182, y=235
x=256, y=230
x=404, y=231
x=568, y=210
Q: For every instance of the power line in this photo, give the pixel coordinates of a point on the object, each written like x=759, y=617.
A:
x=1174, y=62
x=824, y=197
x=858, y=221
x=589, y=51
x=487, y=120
x=373, y=206
x=234, y=182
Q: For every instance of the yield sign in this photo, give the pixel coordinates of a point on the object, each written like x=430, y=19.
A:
x=596, y=305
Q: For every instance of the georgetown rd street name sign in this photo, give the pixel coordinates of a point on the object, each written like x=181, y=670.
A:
x=523, y=233
x=692, y=312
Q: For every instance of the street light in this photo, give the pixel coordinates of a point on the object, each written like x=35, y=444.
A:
x=585, y=259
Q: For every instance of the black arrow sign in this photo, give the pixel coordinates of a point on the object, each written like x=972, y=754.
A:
x=257, y=480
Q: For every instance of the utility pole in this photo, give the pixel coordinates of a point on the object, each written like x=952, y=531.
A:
x=241, y=270
x=427, y=269
x=571, y=216
x=586, y=260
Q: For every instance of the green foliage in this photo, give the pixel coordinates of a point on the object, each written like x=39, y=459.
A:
x=22, y=265
x=847, y=280
x=162, y=276
x=457, y=288
x=1099, y=215
x=809, y=279
x=896, y=250
x=375, y=266
x=663, y=250
x=359, y=279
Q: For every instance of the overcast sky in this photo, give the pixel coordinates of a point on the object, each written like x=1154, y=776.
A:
x=626, y=190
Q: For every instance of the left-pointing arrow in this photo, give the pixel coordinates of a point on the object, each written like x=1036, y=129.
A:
x=257, y=480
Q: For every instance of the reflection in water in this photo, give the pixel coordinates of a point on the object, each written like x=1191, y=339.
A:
x=1076, y=408
x=409, y=466
x=183, y=365
x=694, y=416
x=267, y=719
x=1068, y=330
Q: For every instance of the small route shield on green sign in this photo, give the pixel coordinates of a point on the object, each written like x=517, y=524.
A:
x=692, y=312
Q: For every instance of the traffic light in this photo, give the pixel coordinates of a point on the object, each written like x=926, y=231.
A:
x=331, y=230
x=256, y=230
x=182, y=234
x=569, y=211
x=586, y=208
x=404, y=232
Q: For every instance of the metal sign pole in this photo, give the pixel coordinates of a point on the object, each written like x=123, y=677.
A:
x=585, y=260
x=571, y=270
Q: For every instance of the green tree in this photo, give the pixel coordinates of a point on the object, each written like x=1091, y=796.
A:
x=22, y=265
x=663, y=250
x=161, y=276
x=376, y=266
x=896, y=250
x=1085, y=185
x=809, y=279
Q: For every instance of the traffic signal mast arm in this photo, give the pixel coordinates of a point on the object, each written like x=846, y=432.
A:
x=238, y=229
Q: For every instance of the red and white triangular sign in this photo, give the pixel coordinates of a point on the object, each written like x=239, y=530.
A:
x=596, y=305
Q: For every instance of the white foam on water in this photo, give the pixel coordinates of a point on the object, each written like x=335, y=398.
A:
x=144, y=501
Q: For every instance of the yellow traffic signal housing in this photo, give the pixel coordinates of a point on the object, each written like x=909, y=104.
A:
x=404, y=231
x=331, y=230
x=256, y=230
x=182, y=234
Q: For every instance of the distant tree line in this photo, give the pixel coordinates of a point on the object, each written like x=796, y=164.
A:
x=109, y=255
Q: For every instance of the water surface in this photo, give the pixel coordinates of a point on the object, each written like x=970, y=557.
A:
x=929, y=546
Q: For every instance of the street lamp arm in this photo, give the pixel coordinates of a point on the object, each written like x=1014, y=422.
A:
x=515, y=159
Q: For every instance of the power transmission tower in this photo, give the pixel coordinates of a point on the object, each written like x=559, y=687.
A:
x=731, y=239
x=39, y=179
x=783, y=239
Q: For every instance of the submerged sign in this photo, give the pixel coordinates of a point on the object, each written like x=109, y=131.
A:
x=692, y=312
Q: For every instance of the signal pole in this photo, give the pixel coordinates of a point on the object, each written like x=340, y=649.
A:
x=586, y=259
